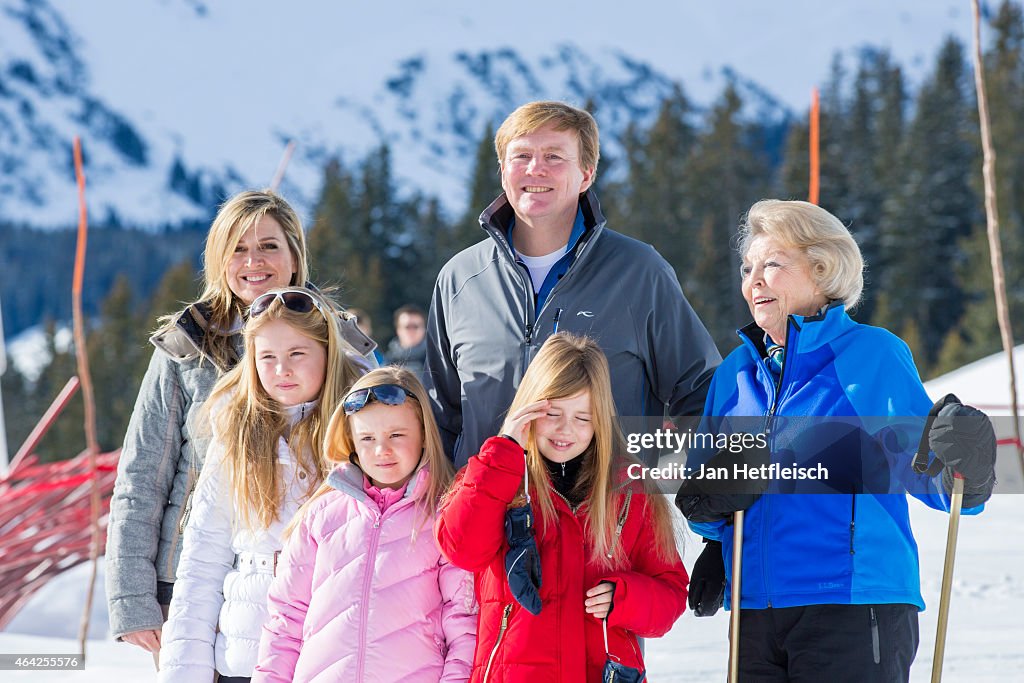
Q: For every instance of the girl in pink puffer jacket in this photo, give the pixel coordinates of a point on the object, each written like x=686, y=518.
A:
x=362, y=592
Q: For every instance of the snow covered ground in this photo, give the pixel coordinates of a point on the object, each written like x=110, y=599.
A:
x=985, y=637
x=985, y=643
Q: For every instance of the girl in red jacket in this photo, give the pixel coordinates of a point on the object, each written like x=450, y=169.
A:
x=606, y=544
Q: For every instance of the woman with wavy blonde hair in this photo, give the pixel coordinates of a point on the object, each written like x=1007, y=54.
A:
x=600, y=566
x=255, y=243
x=269, y=415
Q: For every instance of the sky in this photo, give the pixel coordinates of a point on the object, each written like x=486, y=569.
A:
x=224, y=85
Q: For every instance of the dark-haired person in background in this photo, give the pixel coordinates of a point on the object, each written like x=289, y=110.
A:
x=409, y=347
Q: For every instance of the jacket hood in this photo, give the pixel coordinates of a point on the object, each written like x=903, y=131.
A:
x=496, y=217
x=183, y=340
x=348, y=479
x=811, y=336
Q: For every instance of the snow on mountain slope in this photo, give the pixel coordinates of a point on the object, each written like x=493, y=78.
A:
x=179, y=101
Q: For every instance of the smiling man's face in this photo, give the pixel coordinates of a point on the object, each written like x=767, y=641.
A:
x=542, y=178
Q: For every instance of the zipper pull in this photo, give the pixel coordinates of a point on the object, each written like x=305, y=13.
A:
x=504, y=617
x=529, y=333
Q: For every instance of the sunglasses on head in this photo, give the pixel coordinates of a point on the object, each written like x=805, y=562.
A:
x=297, y=300
x=388, y=394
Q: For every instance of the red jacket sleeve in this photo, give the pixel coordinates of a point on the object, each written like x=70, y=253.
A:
x=471, y=526
x=651, y=595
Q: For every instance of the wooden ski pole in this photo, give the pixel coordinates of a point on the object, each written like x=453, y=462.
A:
x=734, y=617
x=995, y=248
x=957, y=500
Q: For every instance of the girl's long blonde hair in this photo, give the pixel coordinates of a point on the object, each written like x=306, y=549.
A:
x=339, y=445
x=565, y=366
x=249, y=422
x=221, y=306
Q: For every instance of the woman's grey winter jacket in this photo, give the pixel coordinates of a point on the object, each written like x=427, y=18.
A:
x=163, y=453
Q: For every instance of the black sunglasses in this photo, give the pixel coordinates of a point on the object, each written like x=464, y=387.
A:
x=388, y=394
x=297, y=300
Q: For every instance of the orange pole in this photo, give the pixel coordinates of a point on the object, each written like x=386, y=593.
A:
x=83, y=225
x=812, y=194
x=82, y=358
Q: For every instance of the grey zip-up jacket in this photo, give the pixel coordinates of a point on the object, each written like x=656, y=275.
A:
x=483, y=329
x=163, y=453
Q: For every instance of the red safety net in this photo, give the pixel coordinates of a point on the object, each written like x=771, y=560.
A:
x=45, y=525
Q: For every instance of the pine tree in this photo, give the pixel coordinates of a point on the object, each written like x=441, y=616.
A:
x=726, y=177
x=17, y=399
x=327, y=242
x=834, y=183
x=118, y=357
x=417, y=262
x=1004, y=73
x=484, y=186
x=794, y=174
x=179, y=286
x=934, y=210
x=874, y=133
x=66, y=438
x=655, y=206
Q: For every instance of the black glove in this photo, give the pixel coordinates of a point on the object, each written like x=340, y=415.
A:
x=522, y=560
x=707, y=580
x=962, y=437
x=709, y=500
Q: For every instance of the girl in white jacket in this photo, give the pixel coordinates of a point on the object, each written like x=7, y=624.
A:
x=265, y=459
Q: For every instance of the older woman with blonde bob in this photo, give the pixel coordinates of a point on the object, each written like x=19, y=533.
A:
x=830, y=587
x=255, y=243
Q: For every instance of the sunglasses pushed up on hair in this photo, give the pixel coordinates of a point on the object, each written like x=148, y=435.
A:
x=388, y=394
x=296, y=300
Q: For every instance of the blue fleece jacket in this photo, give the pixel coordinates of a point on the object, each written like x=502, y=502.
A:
x=838, y=547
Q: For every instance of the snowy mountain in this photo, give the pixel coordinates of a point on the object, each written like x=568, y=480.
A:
x=180, y=101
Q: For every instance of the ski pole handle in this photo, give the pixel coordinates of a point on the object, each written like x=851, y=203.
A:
x=947, y=576
x=734, y=618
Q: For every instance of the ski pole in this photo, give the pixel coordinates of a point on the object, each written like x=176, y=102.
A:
x=957, y=500
x=734, y=617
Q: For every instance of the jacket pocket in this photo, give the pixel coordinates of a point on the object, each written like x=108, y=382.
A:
x=186, y=504
x=505, y=615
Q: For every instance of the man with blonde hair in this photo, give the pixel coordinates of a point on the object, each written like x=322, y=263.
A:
x=549, y=264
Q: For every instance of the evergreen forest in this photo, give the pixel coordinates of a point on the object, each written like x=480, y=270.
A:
x=900, y=165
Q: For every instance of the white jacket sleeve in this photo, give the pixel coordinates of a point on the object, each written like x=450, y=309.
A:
x=189, y=635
